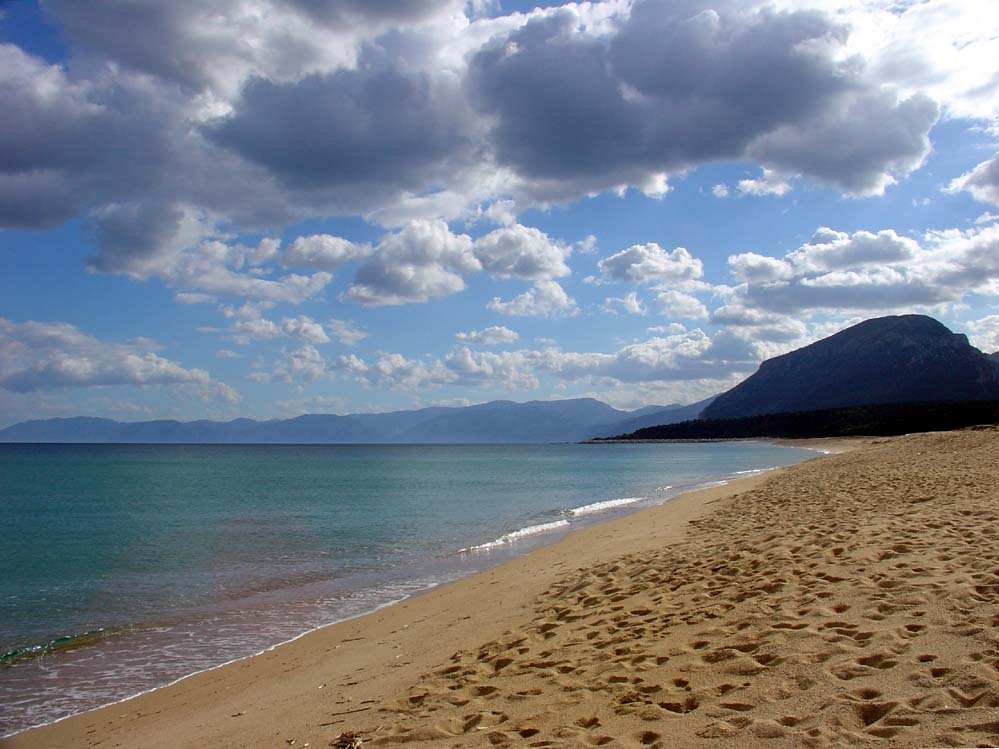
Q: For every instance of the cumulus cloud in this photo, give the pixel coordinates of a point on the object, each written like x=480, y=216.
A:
x=425, y=259
x=323, y=252
x=220, y=46
x=305, y=329
x=522, y=252
x=680, y=356
x=864, y=271
x=491, y=336
x=759, y=326
x=646, y=263
x=982, y=182
x=544, y=299
x=346, y=331
x=395, y=371
x=303, y=364
x=984, y=333
x=667, y=86
x=184, y=249
x=678, y=304
x=371, y=132
x=175, y=128
x=319, y=111
x=629, y=303
x=422, y=261
x=38, y=356
x=768, y=184
x=508, y=370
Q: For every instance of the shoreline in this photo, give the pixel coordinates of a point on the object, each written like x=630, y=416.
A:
x=534, y=540
x=722, y=487
x=845, y=600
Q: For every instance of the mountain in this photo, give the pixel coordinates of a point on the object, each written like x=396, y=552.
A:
x=882, y=420
x=497, y=421
x=658, y=416
x=898, y=359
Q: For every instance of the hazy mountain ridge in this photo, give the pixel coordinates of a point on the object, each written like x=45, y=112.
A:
x=497, y=421
x=896, y=359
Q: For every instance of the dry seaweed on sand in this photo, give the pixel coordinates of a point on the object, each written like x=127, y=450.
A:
x=347, y=740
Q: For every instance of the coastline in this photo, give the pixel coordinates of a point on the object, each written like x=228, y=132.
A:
x=685, y=505
x=37, y=690
x=507, y=654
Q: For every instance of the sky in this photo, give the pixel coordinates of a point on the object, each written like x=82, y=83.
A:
x=264, y=208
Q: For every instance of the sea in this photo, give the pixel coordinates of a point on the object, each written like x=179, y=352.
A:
x=128, y=567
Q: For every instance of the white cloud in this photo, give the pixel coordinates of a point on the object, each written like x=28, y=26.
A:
x=678, y=304
x=984, y=333
x=224, y=353
x=316, y=404
x=305, y=329
x=395, y=371
x=751, y=267
x=680, y=356
x=45, y=356
x=509, y=370
x=173, y=111
x=491, y=336
x=544, y=299
x=587, y=245
x=982, y=182
x=422, y=261
x=346, y=331
x=645, y=263
x=693, y=355
x=769, y=184
x=759, y=326
x=303, y=364
x=674, y=328
x=522, y=252
x=323, y=252
x=720, y=190
x=425, y=259
x=629, y=303
x=864, y=271
x=183, y=248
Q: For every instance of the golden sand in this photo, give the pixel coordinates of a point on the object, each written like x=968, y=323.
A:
x=852, y=600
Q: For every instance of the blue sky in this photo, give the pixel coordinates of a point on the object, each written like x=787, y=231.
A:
x=287, y=206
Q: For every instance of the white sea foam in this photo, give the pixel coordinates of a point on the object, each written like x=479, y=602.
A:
x=512, y=536
x=607, y=504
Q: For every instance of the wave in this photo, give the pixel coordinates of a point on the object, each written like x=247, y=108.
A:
x=58, y=645
x=607, y=504
x=512, y=536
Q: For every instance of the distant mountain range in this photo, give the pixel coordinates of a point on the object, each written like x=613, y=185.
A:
x=898, y=359
x=887, y=360
x=494, y=422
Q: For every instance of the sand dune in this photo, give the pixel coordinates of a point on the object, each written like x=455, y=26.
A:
x=852, y=600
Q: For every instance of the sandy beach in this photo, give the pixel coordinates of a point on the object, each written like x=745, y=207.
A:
x=849, y=600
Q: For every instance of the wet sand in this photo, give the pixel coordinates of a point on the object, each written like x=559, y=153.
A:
x=849, y=600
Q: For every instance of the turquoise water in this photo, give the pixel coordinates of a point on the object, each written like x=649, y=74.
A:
x=156, y=561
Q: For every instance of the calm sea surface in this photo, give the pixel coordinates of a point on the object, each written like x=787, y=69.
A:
x=125, y=567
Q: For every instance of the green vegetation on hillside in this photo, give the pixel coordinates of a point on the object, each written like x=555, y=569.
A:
x=872, y=420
